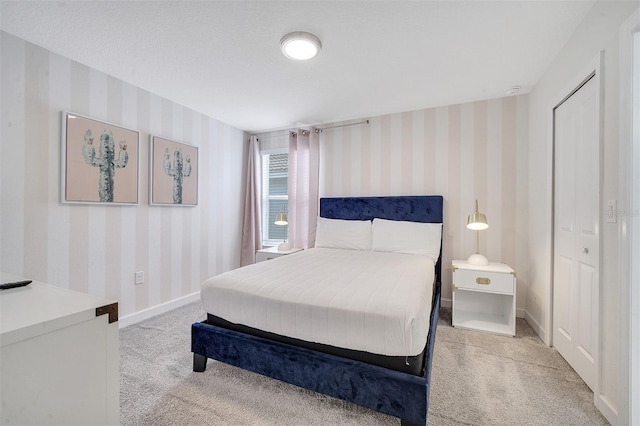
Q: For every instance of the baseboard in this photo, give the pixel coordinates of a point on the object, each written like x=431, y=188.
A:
x=607, y=410
x=445, y=303
x=158, y=309
x=534, y=324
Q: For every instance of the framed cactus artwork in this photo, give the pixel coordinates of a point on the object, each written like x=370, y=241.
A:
x=173, y=173
x=99, y=162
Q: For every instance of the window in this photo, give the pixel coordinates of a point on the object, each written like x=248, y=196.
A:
x=275, y=170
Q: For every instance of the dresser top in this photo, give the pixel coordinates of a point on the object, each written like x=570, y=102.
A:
x=491, y=267
x=39, y=307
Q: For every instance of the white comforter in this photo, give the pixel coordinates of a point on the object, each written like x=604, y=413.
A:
x=362, y=300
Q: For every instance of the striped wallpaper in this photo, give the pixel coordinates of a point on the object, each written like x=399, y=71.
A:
x=463, y=152
x=474, y=150
x=97, y=249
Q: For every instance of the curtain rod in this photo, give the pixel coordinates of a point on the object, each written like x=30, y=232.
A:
x=280, y=133
x=268, y=135
x=341, y=125
x=317, y=130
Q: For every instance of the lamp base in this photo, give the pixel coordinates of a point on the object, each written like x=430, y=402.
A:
x=284, y=246
x=478, y=260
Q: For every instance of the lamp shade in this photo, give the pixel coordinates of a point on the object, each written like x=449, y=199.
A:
x=477, y=221
x=281, y=219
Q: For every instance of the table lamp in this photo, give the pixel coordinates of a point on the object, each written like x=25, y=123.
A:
x=477, y=222
x=281, y=219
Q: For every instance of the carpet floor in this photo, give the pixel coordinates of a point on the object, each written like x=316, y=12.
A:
x=477, y=379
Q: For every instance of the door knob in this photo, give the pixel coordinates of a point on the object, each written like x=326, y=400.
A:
x=585, y=250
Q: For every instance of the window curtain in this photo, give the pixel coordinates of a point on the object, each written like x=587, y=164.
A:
x=251, y=232
x=303, y=179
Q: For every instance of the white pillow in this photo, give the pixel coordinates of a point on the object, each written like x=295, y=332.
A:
x=407, y=237
x=343, y=234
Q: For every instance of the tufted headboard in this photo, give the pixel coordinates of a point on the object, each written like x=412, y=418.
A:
x=413, y=208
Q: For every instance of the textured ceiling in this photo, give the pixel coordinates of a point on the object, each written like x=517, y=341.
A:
x=223, y=58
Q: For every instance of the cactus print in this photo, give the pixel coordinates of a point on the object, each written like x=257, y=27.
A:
x=106, y=162
x=178, y=170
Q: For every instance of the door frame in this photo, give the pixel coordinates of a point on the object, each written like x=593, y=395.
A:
x=593, y=71
x=629, y=221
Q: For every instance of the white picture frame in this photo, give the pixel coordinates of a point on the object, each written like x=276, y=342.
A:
x=99, y=162
x=173, y=173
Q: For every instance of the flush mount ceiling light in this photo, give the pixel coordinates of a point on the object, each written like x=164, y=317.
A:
x=300, y=45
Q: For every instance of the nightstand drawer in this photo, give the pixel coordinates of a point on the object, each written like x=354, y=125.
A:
x=494, y=282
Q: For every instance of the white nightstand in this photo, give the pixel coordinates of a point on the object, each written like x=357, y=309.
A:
x=272, y=253
x=484, y=297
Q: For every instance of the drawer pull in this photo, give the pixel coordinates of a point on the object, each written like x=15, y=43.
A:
x=483, y=281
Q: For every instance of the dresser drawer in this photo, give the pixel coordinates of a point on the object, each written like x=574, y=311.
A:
x=494, y=282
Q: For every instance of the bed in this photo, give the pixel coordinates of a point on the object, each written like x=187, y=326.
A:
x=389, y=373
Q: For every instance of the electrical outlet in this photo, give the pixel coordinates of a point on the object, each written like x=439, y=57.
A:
x=139, y=277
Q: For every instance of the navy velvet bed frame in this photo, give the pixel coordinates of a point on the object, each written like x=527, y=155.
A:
x=395, y=393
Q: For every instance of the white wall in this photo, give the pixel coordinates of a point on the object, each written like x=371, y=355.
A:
x=599, y=31
x=97, y=249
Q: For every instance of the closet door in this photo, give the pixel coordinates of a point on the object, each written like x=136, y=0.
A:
x=576, y=229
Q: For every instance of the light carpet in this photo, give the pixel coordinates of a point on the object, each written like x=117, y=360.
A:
x=477, y=379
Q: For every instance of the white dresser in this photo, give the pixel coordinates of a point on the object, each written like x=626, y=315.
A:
x=484, y=297
x=59, y=357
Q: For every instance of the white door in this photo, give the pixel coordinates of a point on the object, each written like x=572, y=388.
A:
x=576, y=222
